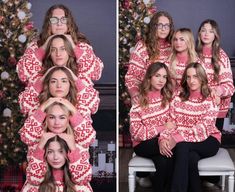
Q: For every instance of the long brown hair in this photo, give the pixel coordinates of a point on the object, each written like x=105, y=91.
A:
x=205, y=90
x=47, y=61
x=48, y=183
x=73, y=30
x=145, y=86
x=151, y=40
x=45, y=95
x=215, y=46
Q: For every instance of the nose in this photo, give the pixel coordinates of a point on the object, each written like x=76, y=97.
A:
x=55, y=157
x=58, y=85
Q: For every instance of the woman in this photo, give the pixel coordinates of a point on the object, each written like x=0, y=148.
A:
x=59, y=20
x=59, y=53
x=216, y=64
x=149, y=117
x=56, y=166
x=183, y=53
x=194, y=113
x=154, y=47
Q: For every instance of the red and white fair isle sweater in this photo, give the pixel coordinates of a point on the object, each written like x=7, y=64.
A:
x=194, y=119
x=139, y=62
x=80, y=173
x=147, y=123
x=87, y=97
x=89, y=65
x=225, y=86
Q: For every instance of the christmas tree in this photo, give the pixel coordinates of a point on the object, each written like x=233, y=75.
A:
x=134, y=15
x=15, y=31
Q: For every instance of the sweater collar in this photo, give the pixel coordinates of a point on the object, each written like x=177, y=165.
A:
x=182, y=57
x=58, y=174
x=207, y=50
x=195, y=94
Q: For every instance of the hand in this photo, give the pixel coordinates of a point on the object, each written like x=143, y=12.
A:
x=170, y=125
x=48, y=102
x=69, y=139
x=68, y=104
x=135, y=99
x=164, y=148
x=45, y=137
x=69, y=37
x=171, y=143
x=215, y=96
x=44, y=46
x=75, y=78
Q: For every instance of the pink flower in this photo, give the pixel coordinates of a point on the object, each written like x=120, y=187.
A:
x=28, y=26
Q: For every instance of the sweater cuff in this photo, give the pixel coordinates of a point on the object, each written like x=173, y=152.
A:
x=161, y=128
x=76, y=119
x=39, y=115
x=133, y=92
x=219, y=91
x=38, y=85
x=79, y=84
x=74, y=155
x=177, y=137
x=39, y=153
x=78, y=52
x=40, y=53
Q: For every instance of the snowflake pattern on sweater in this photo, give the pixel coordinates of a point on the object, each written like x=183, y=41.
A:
x=138, y=64
x=194, y=119
x=146, y=123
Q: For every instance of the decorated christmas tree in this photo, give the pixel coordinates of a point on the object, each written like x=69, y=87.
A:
x=15, y=31
x=134, y=15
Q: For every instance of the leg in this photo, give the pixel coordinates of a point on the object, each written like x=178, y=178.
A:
x=131, y=181
x=230, y=183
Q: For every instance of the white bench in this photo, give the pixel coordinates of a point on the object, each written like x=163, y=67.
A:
x=219, y=165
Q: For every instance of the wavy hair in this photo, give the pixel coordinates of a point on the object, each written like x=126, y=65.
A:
x=47, y=61
x=145, y=86
x=73, y=29
x=45, y=94
x=48, y=183
x=201, y=74
x=151, y=40
x=215, y=46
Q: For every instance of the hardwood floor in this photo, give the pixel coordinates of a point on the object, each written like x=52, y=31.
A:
x=125, y=155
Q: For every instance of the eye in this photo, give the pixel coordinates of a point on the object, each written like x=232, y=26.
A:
x=52, y=81
x=62, y=49
x=53, y=50
x=65, y=81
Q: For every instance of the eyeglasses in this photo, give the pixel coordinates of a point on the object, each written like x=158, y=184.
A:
x=163, y=26
x=55, y=20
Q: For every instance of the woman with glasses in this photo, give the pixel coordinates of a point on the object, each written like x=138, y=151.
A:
x=155, y=46
x=59, y=20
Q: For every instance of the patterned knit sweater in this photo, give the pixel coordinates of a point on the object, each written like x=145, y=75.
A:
x=139, y=62
x=87, y=97
x=80, y=172
x=147, y=123
x=225, y=86
x=89, y=65
x=194, y=119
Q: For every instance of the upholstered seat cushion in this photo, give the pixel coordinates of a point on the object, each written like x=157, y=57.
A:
x=140, y=162
x=220, y=162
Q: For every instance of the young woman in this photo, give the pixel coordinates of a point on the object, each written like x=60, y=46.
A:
x=194, y=114
x=216, y=64
x=149, y=117
x=59, y=20
x=154, y=47
x=56, y=166
x=58, y=117
x=183, y=53
x=59, y=53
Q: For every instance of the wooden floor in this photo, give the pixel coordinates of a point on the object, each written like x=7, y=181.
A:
x=125, y=155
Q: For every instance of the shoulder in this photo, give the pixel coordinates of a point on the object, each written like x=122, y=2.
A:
x=84, y=45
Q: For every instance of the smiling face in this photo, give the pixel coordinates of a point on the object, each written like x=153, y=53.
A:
x=193, y=81
x=207, y=34
x=56, y=155
x=158, y=80
x=58, y=28
x=57, y=119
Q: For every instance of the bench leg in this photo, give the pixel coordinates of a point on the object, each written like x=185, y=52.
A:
x=230, y=183
x=131, y=181
x=223, y=182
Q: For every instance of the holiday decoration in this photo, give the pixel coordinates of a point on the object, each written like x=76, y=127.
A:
x=15, y=31
x=134, y=15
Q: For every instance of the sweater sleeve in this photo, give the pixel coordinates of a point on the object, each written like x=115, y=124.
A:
x=28, y=63
x=79, y=167
x=138, y=129
x=32, y=129
x=88, y=63
x=136, y=68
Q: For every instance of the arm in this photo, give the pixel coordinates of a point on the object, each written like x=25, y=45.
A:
x=136, y=69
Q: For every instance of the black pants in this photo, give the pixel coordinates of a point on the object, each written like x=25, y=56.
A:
x=187, y=154
x=163, y=165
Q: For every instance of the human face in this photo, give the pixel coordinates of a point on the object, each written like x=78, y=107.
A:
x=59, y=54
x=207, y=34
x=56, y=155
x=57, y=119
x=158, y=80
x=59, y=84
x=59, y=28
x=163, y=27
x=193, y=80
x=179, y=42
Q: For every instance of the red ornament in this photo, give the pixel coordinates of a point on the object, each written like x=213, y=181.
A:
x=12, y=60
